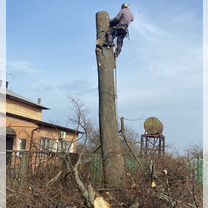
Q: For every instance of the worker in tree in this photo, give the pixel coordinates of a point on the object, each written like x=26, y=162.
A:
x=119, y=27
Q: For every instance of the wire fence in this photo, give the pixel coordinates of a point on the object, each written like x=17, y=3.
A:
x=24, y=166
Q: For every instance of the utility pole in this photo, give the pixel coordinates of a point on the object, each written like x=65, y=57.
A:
x=113, y=163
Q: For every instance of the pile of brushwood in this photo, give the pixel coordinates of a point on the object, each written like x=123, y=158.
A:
x=163, y=183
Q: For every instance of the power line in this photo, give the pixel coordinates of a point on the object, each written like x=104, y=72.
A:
x=136, y=119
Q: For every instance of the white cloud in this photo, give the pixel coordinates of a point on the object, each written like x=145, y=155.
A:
x=79, y=87
x=24, y=67
x=145, y=27
x=42, y=85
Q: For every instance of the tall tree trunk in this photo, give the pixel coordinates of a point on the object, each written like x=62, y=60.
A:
x=113, y=163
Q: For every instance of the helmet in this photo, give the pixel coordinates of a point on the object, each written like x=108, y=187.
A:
x=125, y=5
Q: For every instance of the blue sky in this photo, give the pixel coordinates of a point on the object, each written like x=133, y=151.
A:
x=50, y=54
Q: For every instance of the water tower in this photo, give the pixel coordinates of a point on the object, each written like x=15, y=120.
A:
x=152, y=141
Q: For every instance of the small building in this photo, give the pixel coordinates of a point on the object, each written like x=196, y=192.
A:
x=25, y=129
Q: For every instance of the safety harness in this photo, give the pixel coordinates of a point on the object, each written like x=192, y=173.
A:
x=119, y=29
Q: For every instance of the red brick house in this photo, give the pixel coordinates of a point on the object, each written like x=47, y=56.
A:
x=25, y=129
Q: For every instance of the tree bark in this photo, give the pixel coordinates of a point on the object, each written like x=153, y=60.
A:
x=112, y=158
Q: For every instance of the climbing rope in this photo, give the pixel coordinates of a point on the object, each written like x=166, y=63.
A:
x=115, y=87
x=116, y=95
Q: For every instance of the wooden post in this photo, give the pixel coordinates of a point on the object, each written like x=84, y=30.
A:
x=24, y=165
x=160, y=148
x=142, y=147
x=112, y=158
x=163, y=144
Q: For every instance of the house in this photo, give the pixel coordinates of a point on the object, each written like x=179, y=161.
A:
x=26, y=130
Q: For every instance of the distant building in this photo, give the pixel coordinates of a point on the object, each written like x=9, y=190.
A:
x=25, y=129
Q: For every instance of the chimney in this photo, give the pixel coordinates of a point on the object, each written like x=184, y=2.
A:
x=39, y=101
x=7, y=84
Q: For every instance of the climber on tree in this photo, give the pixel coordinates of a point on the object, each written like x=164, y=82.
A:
x=119, y=27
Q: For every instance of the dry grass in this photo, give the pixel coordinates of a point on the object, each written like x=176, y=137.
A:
x=174, y=189
x=178, y=188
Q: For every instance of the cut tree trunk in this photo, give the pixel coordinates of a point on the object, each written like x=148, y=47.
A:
x=112, y=158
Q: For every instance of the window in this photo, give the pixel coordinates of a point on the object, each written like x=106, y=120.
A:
x=48, y=144
x=22, y=144
x=65, y=146
x=68, y=146
x=21, y=147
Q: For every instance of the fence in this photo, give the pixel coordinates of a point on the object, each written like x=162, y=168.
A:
x=25, y=165
x=197, y=168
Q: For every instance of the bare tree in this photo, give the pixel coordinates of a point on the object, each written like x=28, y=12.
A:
x=113, y=163
x=86, y=190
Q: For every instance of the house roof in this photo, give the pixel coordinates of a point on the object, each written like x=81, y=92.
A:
x=45, y=124
x=10, y=131
x=15, y=96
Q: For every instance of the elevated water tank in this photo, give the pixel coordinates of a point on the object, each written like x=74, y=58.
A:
x=153, y=125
